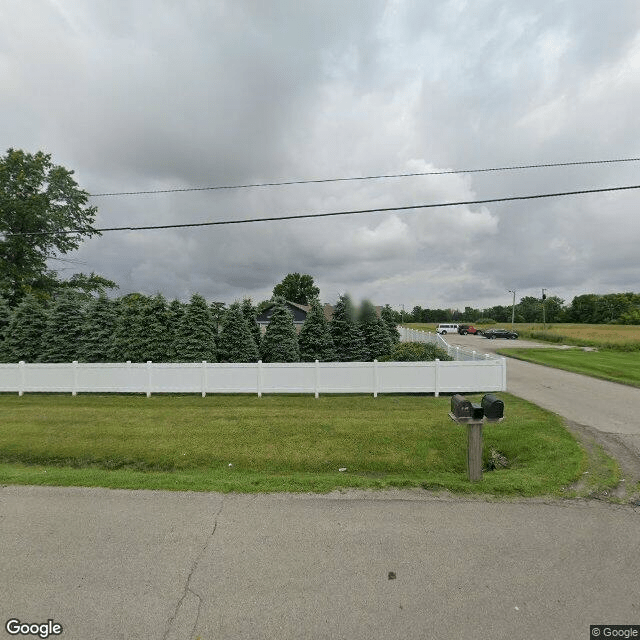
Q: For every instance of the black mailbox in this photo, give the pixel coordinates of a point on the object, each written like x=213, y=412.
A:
x=463, y=409
x=493, y=407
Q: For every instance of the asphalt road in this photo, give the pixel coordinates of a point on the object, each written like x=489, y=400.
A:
x=393, y=565
x=112, y=565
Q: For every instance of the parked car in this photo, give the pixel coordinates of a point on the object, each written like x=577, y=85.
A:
x=446, y=328
x=463, y=329
x=500, y=333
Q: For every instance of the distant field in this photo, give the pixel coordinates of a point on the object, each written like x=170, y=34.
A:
x=615, y=366
x=603, y=336
x=279, y=443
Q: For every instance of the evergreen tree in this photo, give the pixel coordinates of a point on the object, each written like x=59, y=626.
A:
x=250, y=313
x=280, y=342
x=374, y=331
x=26, y=327
x=175, y=313
x=156, y=343
x=217, y=310
x=388, y=316
x=97, y=331
x=195, y=340
x=5, y=315
x=235, y=342
x=129, y=334
x=315, y=338
x=62, y=338
x=347, y=338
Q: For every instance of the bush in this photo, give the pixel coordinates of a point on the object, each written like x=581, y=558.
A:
x=416, y=352
x=485, y=321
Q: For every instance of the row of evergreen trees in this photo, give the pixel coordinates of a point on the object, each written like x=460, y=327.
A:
x=141, y=328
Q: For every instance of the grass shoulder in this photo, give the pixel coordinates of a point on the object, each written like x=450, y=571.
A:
x=278, y=443
x=615, y=366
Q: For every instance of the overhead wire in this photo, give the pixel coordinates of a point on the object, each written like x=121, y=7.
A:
x=335, y=213
x=372, y=177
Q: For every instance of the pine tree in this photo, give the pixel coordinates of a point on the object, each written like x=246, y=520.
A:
x=374, y=331
x=235, y=342
x=62, y=338
x=175, y=314
x=25, y=331
x=156, y=341
x=250, y=313
x=280, y=342
x=347, y=338
x=315, y=338
x=387, y=316
x=129, y=334
x=97, y=331
x=195, y=339
x=5, y=315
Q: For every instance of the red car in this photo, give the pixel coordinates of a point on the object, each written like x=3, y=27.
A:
x=463, y=329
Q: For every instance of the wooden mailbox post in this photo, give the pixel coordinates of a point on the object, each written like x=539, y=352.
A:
x=473, y=415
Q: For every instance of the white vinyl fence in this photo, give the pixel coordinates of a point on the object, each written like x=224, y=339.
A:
x=464, y=375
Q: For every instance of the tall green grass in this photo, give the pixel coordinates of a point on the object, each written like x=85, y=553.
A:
x=275, y=443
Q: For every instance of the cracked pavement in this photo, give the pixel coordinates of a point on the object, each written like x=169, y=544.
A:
x=113, y=564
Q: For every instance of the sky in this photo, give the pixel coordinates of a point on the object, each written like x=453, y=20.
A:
x=143, y=95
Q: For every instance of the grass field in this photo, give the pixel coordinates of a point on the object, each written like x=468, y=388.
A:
x=602, y=336
x=615, y=366
x=279, y=443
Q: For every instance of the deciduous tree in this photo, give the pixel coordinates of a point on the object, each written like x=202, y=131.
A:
x=43, y=214
x=297, y=288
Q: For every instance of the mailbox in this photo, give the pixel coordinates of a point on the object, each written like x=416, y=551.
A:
x=493, y=407
x=464, y=410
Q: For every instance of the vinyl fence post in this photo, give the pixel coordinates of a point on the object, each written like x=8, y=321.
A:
x=437, y=381
x=21, y=377
x=375, y=378
x=204, y=378
x=74, y=391
x=259, y=380
x=317, y=379
x=148, y=378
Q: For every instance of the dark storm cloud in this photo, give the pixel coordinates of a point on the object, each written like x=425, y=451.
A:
x=155, y=95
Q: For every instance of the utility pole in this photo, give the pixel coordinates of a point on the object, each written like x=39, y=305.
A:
x=513, y=307
x=544, y=320
x=402, y=315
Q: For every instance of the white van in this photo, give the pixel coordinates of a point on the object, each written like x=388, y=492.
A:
x=447, y=328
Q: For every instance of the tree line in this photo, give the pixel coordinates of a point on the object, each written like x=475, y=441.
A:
x=138, y=328
x=590, y=308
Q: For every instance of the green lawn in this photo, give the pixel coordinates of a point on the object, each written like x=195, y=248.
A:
x=276, y=443
x=617, y=366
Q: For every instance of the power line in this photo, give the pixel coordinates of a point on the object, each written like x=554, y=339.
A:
x=337, y=213
x=375, y=177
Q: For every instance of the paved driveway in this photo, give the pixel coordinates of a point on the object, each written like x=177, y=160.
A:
x=609, y=408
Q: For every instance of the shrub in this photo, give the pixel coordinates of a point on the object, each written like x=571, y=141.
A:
x=417, y=352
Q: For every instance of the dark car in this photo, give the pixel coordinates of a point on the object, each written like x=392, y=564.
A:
x=500, y=333
x=463, y=329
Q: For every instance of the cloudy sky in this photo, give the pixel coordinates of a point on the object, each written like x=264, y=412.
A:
x=156, y=94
